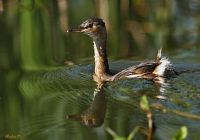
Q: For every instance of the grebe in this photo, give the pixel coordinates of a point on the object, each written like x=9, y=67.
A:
x=152, y=70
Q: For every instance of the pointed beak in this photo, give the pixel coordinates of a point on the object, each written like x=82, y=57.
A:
x=78, y=29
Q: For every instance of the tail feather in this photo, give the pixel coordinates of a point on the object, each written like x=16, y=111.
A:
x=162, y=67
x=159, y=54
x=164, y=64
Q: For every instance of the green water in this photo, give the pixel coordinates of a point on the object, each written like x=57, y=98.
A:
x=35, y=104
x=46, y=86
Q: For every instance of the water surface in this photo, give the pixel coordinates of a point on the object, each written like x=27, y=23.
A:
x=54, y=103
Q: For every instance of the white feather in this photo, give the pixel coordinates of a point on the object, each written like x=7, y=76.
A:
x=96, y=53
x=96, y=58
x=134, y=76
x=159, y=54
x=160, y=69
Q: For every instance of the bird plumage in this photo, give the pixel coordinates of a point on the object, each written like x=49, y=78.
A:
x=160, y=68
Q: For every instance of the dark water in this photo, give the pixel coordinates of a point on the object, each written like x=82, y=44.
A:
x=46, y=86
x=52, y=104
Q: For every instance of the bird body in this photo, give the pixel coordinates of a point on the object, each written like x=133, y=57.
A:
x=151, y=70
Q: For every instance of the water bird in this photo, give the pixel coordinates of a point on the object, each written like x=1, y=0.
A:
x=154, y=70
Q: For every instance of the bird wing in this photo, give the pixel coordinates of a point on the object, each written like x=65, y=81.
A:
x=138, y=70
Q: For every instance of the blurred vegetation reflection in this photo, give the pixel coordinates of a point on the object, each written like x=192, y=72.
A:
x=34, y=30
x=40, y=83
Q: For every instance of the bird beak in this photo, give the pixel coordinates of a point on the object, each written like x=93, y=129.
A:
x=78, y=29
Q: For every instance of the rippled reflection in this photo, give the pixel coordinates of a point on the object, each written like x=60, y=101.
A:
x=44, y=98
x=94, y=115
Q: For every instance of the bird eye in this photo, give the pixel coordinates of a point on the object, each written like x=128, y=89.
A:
x=90, y=25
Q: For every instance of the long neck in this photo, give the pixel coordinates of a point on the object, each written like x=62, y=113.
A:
x=100, y=56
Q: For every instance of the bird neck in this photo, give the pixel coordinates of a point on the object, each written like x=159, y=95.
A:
x=100, y=56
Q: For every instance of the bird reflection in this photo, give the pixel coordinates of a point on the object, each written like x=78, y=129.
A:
x=94, y=115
